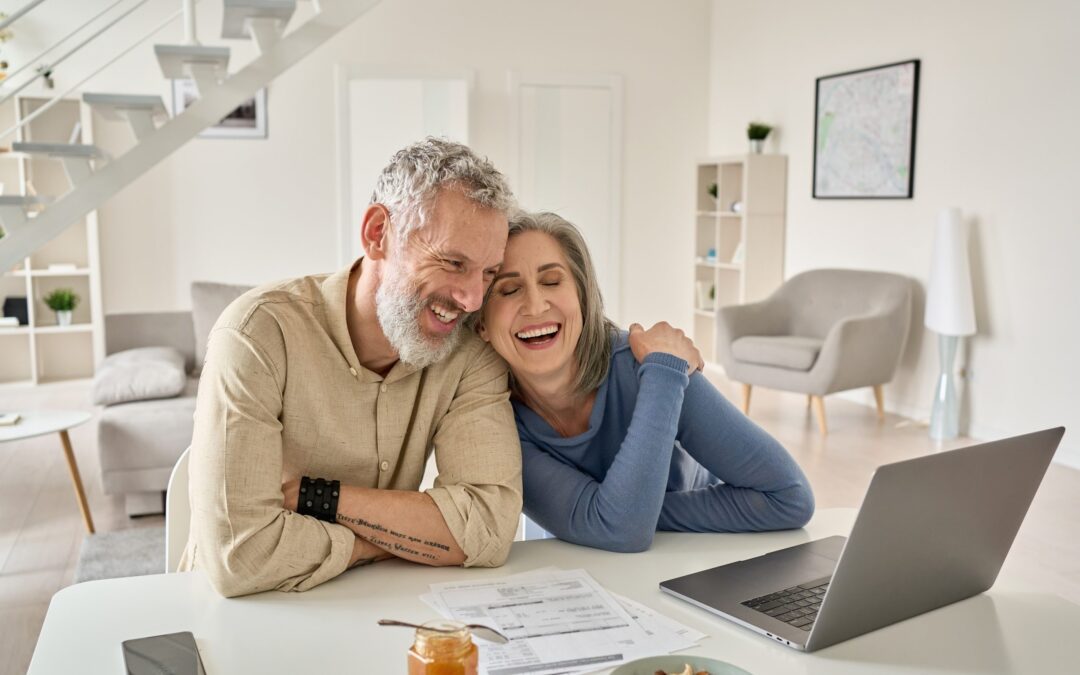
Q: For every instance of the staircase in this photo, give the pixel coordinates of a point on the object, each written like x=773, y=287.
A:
x=94, y=177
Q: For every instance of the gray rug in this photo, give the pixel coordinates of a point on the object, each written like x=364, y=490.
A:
x=124, y=553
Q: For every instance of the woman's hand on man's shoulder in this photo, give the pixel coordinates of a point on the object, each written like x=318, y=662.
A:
x=664, y=338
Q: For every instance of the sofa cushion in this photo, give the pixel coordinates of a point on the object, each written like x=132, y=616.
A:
x=780, y=351
x=139, y=443
x=138, y=375
x=208, y=301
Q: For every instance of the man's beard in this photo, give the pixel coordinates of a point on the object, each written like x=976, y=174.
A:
x=398, y=306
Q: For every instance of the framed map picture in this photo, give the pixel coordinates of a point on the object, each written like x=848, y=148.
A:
x=864, y=133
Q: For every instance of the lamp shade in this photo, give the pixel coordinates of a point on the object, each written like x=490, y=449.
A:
x=950, y=308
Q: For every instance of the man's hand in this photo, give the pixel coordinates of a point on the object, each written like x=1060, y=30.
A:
x=665, y=339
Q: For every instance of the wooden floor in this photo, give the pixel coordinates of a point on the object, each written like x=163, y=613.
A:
x=41, y=529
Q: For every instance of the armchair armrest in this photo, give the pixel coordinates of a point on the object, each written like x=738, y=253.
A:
x=860, y=351
x=756, y=318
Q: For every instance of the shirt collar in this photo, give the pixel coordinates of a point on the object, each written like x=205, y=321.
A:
x=335, y=289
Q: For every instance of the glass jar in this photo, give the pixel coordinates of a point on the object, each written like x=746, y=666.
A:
x=443, y=648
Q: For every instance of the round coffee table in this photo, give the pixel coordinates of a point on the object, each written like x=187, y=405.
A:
x=43, y=422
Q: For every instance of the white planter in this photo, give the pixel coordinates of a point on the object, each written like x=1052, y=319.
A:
x=756, y=146
x=63, y=318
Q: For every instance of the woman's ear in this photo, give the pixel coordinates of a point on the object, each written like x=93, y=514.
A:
x=481, y=330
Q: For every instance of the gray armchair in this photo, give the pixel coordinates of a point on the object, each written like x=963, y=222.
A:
x=822, y=332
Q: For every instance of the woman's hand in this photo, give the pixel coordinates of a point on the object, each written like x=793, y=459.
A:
x=666, y=339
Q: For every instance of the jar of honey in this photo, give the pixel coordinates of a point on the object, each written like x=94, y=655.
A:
x=443, y=648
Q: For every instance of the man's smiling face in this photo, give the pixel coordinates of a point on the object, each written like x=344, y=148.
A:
x=439, y=276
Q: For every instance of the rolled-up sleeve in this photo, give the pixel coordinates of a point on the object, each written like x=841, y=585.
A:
x=478, y=455
x=243, y=538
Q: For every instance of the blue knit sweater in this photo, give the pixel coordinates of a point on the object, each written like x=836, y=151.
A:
x=663, y=451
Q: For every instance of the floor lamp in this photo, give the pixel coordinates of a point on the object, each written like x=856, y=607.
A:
x=950, y=312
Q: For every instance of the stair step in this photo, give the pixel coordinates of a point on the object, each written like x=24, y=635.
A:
x=110, y=103
x=138, y=111
x=60, y=150
x=75, y=158
x=13, y=211
x=205, y=65
x=25, y=200
x=238, y=15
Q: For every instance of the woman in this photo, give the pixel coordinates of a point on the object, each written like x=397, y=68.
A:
x=620, y=434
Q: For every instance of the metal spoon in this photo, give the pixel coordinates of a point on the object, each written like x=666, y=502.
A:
x=479, y=630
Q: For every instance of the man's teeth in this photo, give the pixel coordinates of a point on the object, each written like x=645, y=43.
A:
x=443, y=314
x=537, y=332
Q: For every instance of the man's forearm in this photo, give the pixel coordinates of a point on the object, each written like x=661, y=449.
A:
x=365, y=553
x=404, y=523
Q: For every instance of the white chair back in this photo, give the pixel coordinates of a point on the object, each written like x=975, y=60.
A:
x=177, y=513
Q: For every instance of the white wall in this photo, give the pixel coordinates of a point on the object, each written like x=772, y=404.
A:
x=251, y=211
x=997, y=135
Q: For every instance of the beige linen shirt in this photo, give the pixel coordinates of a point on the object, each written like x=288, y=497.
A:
x=283, y=395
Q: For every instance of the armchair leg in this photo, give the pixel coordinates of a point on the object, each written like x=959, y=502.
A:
x=819, y=411
x=879, y=397
x=746, y=399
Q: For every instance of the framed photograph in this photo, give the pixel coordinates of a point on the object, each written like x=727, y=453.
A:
x=248, y=120
x=864, y=133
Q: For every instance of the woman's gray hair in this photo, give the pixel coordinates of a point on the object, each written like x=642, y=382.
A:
x=593, y=350
x=409, y=183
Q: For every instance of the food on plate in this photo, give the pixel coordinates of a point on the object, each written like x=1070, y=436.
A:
x=685, y=671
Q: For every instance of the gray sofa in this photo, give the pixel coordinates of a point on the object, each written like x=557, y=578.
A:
x=139, y=441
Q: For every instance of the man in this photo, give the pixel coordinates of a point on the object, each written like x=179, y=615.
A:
x=354, y=377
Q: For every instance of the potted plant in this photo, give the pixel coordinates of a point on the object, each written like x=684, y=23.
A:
x=714, y=192
x=62, y=301
x=757, y=132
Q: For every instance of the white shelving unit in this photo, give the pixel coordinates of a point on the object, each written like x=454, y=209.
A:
x=739, y=236
x=43, y=351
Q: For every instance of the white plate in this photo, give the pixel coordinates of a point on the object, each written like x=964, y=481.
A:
x=675, y=663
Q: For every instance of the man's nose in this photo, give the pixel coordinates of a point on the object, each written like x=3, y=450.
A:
x=470, y=292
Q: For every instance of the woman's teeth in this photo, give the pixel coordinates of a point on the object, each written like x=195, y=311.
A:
x=538, y=332
x=443, y=314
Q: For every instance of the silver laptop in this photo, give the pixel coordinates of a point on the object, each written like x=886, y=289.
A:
x=931, y=531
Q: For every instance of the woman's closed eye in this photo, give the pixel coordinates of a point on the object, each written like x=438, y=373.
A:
x=507, y=290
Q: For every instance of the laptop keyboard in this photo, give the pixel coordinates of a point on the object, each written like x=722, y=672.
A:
x=797, y=606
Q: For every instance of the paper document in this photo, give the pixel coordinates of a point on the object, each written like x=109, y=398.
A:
x=558, y=621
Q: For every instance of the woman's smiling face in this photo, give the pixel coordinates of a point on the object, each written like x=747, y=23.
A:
x=533, y=316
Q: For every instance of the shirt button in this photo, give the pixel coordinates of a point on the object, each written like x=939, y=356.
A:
x=383, y=388
x=352, y=371
x=385, y=465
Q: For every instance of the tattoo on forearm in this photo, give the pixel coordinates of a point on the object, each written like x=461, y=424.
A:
x=393, y=546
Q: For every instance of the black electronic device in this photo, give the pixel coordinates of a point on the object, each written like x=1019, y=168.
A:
x=173, y=654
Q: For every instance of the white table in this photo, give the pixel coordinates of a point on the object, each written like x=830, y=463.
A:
x=332, y=628
x=45, y=422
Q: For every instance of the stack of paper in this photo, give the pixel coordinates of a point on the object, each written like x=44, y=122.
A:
x=558, y=621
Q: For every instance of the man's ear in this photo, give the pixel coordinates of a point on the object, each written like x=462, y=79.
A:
x=375, y=231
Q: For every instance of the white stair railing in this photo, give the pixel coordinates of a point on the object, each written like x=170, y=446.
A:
x=216, y=99
x=17, y=14
x=90, y=38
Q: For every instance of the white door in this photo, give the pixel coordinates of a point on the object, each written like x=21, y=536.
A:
x=566, y=135
x=380, y=113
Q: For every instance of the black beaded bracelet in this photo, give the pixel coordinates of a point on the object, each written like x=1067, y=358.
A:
x=319, y=498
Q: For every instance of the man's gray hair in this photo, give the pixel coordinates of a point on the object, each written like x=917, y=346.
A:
x=592, y=353
x=409, y=183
